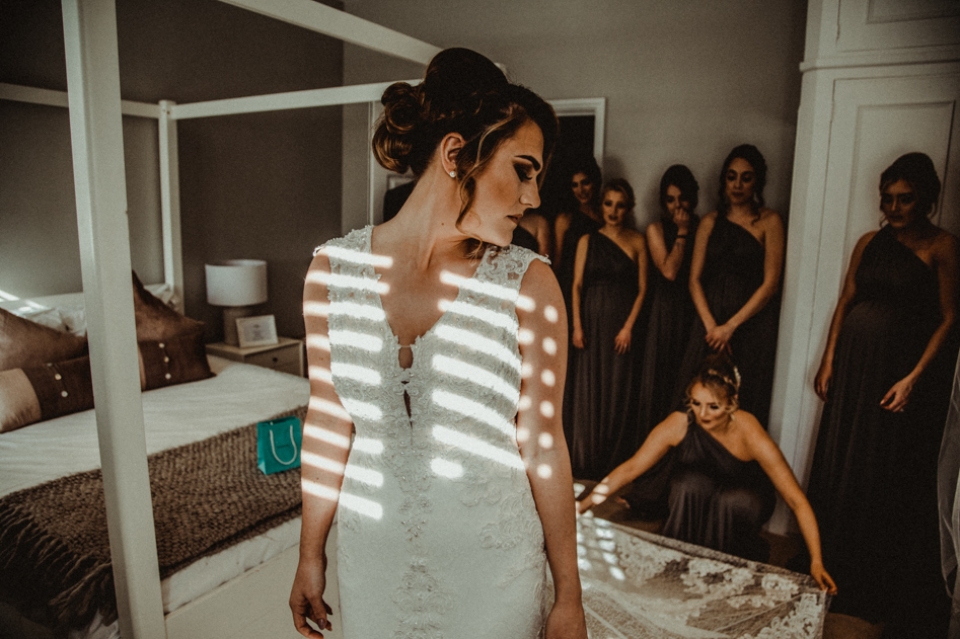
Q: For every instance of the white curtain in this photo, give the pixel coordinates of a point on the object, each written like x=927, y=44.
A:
x=949, y=497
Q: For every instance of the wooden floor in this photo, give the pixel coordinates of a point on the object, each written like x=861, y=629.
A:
x=782, y=550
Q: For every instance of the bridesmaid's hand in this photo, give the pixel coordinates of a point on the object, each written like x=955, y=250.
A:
x=682, y=219
x=621, y=342
x=823, y=578
x=821, y=383
x=897, y=397
x=577, y=338
x=718, y=338
x=566, y=621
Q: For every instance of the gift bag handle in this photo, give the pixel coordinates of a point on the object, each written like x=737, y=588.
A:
x=293, y=441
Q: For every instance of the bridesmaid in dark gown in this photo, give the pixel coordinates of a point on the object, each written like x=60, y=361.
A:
x=582, y=217
x=671, y=316
x=600, y=400
x=669, y=241
x=734, y=280
x=886, y=377
x=722, y=489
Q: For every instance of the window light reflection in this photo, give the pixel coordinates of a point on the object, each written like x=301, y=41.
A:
x=358, y=257
x=478, y=343
x=322, y=373
x=469, y=408
x=357, y=504
x=446, y=468
x=546, y=409
x=326, y=436
x=363, y=410
x=318, y=341
x=551, y=313
x=328, y=408
x=361, y=374
x=477, y=375
x=525, y=336
x=544, y=471
x=337, y=280
x=549, y=346
x=545, y=440
x=494, y=318
x=476, y=286
x=477, y=447
x=368, y=445
x=316, y=309
x=365, y=475
x=617, y=573
x=361, y=311
x=312, y=460
x=548, y=377
x=363, y=341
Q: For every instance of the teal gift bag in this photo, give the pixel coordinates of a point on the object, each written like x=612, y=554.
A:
x=278, y=444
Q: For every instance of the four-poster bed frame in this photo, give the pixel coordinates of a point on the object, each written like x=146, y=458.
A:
x=253, y=604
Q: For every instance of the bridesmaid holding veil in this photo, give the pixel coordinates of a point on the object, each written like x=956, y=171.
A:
x=609, y=283
x=734, y=280
x=886, y=377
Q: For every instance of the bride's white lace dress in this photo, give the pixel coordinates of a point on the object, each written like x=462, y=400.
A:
x=439, y=535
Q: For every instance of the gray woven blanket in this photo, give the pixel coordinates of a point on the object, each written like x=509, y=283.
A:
x=54, y=552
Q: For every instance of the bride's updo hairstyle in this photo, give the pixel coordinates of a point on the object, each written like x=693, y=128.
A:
x=461, y=92
x=718, y=375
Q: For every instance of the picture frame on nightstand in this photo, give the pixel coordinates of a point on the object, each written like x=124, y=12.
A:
x=260, y=330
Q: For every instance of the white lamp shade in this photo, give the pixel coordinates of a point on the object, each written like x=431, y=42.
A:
x=237, y=283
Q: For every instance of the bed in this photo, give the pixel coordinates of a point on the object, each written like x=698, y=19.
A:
x=57, y=460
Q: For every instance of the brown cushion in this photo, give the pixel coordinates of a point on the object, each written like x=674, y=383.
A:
x=24, y=343
x=173, y=360
x=62, y=387
x=19, y=405
x=155, y=320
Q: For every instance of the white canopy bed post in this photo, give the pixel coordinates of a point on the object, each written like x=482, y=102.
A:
x=93, y=78
x=170, y=201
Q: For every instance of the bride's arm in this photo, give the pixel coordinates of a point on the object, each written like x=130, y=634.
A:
x=326, y=446
x=543, y=348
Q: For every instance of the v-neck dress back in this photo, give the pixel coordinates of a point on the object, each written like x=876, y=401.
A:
x=439, y=534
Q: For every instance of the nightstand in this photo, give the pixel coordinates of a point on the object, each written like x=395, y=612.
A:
x=286, y=356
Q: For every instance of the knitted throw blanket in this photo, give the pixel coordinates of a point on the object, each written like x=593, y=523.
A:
x=208, y=495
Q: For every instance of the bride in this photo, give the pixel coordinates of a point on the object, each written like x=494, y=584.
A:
x=437, y=358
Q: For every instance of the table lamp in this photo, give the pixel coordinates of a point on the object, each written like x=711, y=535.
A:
x=237, y=285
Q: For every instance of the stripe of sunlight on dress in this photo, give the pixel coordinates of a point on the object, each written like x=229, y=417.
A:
x=470, y=408
x=489, y=288
x=479, y=343
x=477, y=447
x=348, y=282
x=360, y=505
x=477, y=375
x=356, y=257
x=506, y=321
x=361, y=374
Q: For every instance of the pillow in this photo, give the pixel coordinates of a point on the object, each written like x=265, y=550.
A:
x=24, y=343
x=175, y=360
x=156, y=321
x=37, y=393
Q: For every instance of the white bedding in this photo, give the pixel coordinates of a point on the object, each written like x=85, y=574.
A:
x=240, y=394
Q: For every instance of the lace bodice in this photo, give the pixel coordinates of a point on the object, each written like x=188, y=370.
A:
x=436, y=513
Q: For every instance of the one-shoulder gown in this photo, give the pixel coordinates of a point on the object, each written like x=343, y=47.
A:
x=732, y=272
x=601, y=398
x=873, y=480
x=716, y=499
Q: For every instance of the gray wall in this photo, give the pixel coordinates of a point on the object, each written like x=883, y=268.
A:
x=261, y=186
x=685, y=80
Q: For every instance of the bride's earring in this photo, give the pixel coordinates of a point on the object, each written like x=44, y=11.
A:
x=453, y=174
